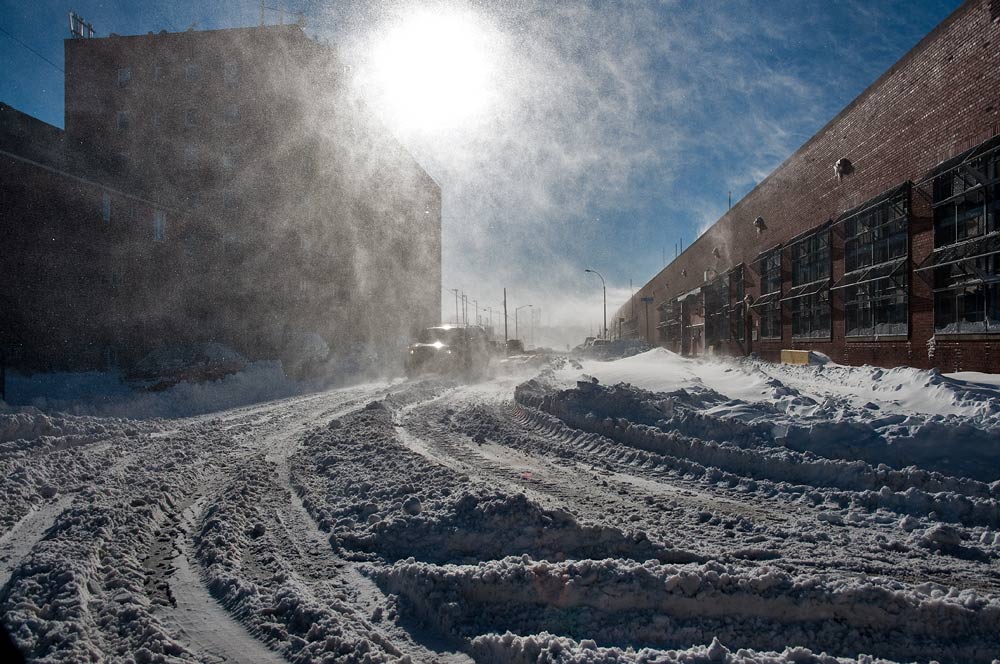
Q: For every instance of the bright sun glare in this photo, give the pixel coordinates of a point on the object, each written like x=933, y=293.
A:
x=433, y=71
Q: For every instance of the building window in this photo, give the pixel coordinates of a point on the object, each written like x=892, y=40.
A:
x=876, y=307
x=124, y=76
x=191, y=72
x=875, y=251
x=716, y=298
x=232, y=114
x=121, y=120
x=190, y=118
x=157, y=73
x=231, y=74
x=768, y=306
x=737, y=314
x=106, y=206
x=671, y=322
x=190, y=156
x=811, y=315
x=809, y=297
x=228, y=161
x=964, y=268
x=159, y=225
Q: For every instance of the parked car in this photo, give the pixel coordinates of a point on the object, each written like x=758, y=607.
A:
x=167, y=366
x=449, y=349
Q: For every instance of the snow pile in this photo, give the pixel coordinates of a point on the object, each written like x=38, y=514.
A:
x=42, y=456
x=547, y=648
x=897, y=417
x=105, y=395
x=901, y=389
x=764, y=608
x=414, y=508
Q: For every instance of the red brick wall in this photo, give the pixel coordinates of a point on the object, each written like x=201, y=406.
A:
x=938, y=100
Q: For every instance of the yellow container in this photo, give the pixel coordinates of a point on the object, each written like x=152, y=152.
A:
x=795, y=357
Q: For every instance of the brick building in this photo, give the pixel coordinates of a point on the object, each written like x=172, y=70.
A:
x=88, y=265
x=308, y=216
x=876, y=242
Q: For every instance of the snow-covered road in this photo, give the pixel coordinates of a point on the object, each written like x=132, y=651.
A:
x=703, y=513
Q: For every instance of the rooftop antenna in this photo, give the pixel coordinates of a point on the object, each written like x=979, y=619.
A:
x=730, y=200
x=262, y=13
x=79, y=28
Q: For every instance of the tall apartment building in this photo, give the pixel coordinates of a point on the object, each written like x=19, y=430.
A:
x=876, y=242
x=307, y=215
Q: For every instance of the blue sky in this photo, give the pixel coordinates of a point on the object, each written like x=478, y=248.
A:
x=617, y=130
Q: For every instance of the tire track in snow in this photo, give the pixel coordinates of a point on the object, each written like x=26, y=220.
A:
x=16, y=544
x=197, y=618
x=185, y=604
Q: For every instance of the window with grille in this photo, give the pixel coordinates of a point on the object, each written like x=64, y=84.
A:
x=121, y=120
x=809, y=298
x=875, y=282
x=769, y=304
x=124, y=76
x=716, y=298
x=106, y=206
x=671, y=322
x=965, y=264
x=737, y=311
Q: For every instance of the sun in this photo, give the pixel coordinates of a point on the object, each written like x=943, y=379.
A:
x=433, y=71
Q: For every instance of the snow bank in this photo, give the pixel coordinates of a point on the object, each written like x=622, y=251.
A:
x=617, y=602
x=105, y=395
x=898, y=417
x=900, y=389
x=547, y=648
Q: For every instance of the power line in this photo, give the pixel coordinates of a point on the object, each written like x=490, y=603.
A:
x=32, y=50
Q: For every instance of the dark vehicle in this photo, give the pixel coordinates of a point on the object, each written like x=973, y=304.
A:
x=449, y=349
x=165, y=367
x=515, y=346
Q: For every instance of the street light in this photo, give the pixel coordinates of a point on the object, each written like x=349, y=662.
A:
x=515, y=318
x=605, y=289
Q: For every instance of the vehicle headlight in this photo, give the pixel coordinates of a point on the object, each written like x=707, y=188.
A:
x=412, y=351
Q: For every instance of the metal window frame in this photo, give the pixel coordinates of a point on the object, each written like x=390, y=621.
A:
x=803, y=290
x=864, y=275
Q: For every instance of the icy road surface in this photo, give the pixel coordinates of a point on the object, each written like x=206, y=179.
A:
x=674, y=511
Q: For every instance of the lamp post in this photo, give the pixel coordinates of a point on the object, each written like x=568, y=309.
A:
x=515, y=318
x=605, y=289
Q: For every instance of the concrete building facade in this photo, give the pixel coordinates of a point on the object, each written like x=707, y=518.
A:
x=876, y=242
x=310, y=217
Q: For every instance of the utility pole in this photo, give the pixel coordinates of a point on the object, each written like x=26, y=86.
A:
x=475, y=304
x=505, y=317
x=455, y=291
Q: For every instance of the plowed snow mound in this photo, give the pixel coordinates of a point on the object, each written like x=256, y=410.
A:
x=838, y=423
x=413, y=508
x=616, y=602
